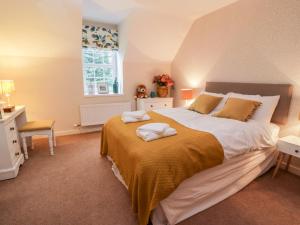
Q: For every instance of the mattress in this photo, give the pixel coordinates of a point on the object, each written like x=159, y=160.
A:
x=209, y=187
x=212, y=186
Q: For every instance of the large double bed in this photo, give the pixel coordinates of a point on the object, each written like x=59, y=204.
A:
x=168, y=181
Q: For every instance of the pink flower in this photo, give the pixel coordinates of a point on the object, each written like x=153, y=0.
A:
x=163, y=80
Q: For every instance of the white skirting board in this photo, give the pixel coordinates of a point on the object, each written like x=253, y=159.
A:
x=79, y=130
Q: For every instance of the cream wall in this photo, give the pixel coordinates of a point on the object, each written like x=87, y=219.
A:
x=40, y=49
x=148, y=43
x=249, y=41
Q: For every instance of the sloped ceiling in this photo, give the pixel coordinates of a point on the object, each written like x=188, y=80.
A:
x=107, y=11
x=188, y=9
x=154, y=29
x=114, y=11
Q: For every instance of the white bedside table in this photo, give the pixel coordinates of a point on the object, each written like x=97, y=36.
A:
x=289, y=145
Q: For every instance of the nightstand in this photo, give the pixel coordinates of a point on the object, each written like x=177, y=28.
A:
x=289, y=145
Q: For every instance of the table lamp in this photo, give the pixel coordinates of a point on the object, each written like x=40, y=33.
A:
x=7, y=87
x=186, y=94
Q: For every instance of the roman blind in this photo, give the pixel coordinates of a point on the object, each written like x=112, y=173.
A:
x=99, y=37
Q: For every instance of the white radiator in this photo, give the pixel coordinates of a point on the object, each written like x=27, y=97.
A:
x=96, y=114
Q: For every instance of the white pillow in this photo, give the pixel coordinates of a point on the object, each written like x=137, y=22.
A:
x=221, y=103
x=264, y=112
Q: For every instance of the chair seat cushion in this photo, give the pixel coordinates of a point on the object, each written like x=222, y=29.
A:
x=37, y=125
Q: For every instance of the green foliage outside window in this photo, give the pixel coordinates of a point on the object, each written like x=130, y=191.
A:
x=99, y=66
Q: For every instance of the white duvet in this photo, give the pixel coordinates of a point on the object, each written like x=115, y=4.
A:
x=236, y=137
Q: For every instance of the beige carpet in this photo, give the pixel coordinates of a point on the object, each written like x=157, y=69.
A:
x=77, y=187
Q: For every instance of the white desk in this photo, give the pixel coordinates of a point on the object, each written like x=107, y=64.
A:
x=10, y=149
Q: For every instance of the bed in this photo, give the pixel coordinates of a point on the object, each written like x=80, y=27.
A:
x=244, y=158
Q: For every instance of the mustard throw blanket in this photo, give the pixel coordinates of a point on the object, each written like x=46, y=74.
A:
x=153, y=170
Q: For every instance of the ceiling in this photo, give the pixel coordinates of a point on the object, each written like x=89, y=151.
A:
x=114, y=11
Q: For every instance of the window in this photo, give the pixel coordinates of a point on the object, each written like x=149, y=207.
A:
x=100, y=72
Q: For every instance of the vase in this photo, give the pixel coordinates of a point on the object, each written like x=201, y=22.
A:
x=162, y=91
x=116, y=86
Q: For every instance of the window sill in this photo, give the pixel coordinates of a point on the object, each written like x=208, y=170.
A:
x=103, y=95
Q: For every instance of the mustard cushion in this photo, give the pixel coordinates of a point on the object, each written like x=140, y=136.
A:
x=205, y=103
x=238, y=109
x=37, y=125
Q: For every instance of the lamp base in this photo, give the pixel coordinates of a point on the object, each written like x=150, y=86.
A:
x=9, y=109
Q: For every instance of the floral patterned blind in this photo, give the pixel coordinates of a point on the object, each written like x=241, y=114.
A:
x=99, y=37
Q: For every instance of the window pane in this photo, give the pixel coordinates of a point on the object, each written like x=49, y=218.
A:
x=98, y=58
x=88, y=57
x=108, y=72
x=90, y=89
x=89, y=80
x=108, y=58
x=99, y=76
x=89, y=74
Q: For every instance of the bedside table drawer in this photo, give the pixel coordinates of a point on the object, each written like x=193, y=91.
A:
x=154, y=103
x=167, y=105
x=289, y=148
x=151, y=106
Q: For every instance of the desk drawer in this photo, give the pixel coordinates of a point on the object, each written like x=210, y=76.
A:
x=13, y=140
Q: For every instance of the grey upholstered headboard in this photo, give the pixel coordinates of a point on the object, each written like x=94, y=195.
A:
x=281, y=113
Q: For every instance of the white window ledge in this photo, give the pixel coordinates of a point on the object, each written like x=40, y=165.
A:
x=103, y=95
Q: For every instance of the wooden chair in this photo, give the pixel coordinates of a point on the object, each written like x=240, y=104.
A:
x=43, y=127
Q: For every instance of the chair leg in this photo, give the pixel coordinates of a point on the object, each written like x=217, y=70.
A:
x=50, y=137
x=25, y=147
x=32, y=144
x=54, y=138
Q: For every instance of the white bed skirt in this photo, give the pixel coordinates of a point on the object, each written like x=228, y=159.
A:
x=211, y=186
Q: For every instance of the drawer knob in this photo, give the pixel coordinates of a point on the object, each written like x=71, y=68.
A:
x=14, y=141
x=12, y=128
x=151, y=106
x=297, y=151
x=165, y=104
x=17, y=153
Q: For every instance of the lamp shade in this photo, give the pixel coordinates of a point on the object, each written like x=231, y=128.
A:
x=186, y=94
x=7, y=87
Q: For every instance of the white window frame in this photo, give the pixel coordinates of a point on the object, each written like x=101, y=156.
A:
x=116, y=68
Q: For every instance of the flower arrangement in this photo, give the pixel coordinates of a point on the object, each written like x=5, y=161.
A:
x=163, y=80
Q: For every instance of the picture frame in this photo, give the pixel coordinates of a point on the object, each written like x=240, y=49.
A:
x=102, y=88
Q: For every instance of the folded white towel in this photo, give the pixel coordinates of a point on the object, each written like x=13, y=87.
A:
x=151, y=136
x=135, y=114
x=128, y=119
x=158, y=128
